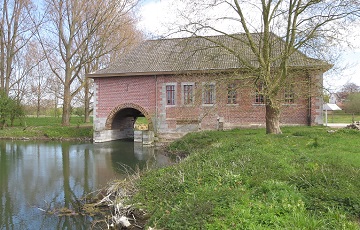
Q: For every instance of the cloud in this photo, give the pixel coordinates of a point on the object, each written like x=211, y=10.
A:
x=161, y=18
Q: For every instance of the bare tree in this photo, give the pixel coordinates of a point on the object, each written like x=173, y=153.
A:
x=38, y=89
x=73, y=31
x=54, y=89
x=16, y=30
x=346, y=90
x=28, y=67
x=105, y=46
x=289, y=25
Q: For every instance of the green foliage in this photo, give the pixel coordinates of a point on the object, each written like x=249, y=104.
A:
x=352, y=103
x=305, y=178
x=141, y=121
x=10, y=109
x=326, y=97
x=78, y=111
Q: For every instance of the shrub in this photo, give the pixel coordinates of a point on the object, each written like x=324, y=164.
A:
x=10, y=109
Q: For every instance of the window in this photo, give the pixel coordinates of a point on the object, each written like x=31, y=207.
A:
x=188, y=93
x=231, y=93
x=209, y=94
x=259, y=94
x=170, y=94
x=289, y=94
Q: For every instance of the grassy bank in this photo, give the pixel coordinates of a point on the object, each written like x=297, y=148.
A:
x=306, y=178
x=47, y=128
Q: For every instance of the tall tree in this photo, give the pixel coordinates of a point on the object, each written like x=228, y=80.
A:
x=346, y=90
x=302, y=25
x=29, y=66
x=106, y=45
x=72, y=29
x=16, y=30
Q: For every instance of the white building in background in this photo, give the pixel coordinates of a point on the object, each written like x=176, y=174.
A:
x=334, y=98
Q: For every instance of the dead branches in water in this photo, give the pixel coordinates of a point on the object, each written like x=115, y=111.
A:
x=114, y=199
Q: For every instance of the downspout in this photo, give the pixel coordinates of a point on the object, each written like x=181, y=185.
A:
x=309, y=117
x=156, y=105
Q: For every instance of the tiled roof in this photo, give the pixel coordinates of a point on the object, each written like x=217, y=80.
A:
x=196, y=54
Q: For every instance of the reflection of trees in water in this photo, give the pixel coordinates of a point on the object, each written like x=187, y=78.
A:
x=71, y=200
x=6, y=205
x=54, y=175
x=29, y=180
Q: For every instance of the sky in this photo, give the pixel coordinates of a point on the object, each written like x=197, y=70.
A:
x=156, y=16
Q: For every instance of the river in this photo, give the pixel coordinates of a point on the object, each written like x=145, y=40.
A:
x=42, y=176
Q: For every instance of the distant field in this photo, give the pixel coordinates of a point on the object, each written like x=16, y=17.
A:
x=49, y=121
x=141, y=121
x=341, y=117
x=48, y=127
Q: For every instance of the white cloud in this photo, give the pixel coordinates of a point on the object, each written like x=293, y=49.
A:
x=152, y=17
x=164, y=17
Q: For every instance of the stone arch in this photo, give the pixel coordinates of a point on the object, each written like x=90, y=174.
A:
x=117, y=109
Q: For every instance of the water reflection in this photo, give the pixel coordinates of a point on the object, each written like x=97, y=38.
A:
x=50, y=175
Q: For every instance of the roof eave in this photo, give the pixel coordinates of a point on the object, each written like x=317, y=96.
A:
x=156, y=73
x=323, y=68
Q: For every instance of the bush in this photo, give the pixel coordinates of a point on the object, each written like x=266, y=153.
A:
x=10, y=109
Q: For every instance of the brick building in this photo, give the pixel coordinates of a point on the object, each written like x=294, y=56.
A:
x=190, y=84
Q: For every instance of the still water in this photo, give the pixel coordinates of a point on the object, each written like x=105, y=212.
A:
x=37, y=176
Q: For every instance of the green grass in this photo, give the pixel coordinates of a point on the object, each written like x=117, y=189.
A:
x=141, y=121
x=48, y=121
x=341, y=117
x=47, y=127
x=306, y=178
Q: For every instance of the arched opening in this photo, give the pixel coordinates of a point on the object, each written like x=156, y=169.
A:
x=121, y=121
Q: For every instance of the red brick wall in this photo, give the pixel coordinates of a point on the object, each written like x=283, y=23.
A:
x=141, y=90
x=115, y=91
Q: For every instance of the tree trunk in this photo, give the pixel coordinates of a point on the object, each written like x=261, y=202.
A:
x=67, y=91
x=87, y=101
x=272, y=119
x=2, y=62
x=38, y=102
x=66, y=107
x=2, y=48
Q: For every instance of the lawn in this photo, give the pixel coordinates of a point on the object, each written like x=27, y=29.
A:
x=48, y=121
x=341, y=117
x=306, y=178
x=48, y=127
